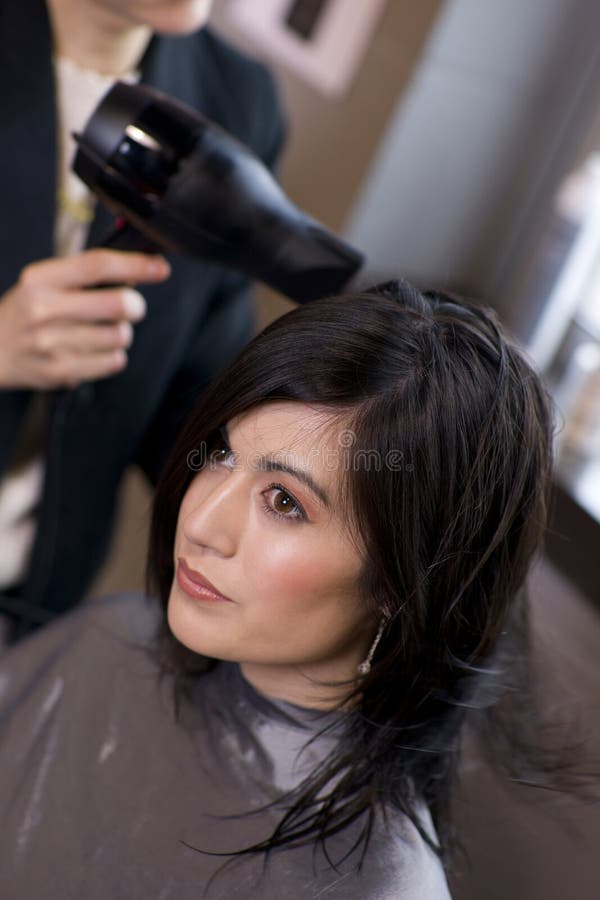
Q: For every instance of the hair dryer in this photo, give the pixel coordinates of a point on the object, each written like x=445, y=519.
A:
x=179, y=183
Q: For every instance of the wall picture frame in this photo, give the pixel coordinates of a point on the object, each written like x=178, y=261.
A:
x=322, y=41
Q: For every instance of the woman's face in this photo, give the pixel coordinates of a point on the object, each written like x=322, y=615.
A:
x=262, y=523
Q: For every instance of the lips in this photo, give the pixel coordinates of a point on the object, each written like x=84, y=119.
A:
x=196, y=585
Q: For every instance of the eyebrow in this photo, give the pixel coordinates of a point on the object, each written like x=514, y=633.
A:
x=265, y=464
x=272, y=465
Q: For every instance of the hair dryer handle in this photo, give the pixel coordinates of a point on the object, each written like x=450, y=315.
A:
x=123, y=236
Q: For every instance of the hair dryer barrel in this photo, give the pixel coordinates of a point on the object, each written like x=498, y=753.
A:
x=189, y=187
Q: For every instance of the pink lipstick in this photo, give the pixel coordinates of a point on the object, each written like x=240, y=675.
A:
x=196, y=585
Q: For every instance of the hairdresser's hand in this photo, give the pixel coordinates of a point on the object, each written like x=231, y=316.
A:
x=58, y=330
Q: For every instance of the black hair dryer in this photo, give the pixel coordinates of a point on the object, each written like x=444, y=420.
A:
x=179, y=183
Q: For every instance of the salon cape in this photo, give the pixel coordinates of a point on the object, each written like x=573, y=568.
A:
x=105, y=794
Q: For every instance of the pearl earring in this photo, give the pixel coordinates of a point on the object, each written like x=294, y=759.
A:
x=365, y=666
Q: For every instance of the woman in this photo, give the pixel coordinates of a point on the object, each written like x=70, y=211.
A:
x=338, y=542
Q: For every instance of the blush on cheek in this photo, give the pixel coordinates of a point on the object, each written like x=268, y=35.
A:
x=291, y=574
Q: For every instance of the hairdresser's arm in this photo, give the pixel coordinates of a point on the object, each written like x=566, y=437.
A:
x=58, y=330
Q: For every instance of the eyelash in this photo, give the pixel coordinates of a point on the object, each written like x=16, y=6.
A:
x=299, y=513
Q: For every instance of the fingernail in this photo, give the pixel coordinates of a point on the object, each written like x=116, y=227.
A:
x=126, y=333
x=135, y=305
x=158, y=265
x=120, y=358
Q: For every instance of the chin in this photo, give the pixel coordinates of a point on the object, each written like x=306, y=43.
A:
x=176, y=620
x=181, y=18
x=185, y=626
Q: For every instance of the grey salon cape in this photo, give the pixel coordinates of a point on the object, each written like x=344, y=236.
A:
x=106, y=795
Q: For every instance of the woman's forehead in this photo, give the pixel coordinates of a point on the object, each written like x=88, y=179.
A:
x=286, y=425
x=297, y=437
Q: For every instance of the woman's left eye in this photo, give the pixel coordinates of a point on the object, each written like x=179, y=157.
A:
x=220, y=453
x=282, y=504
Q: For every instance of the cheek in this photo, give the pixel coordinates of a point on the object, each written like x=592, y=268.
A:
x=297, y=565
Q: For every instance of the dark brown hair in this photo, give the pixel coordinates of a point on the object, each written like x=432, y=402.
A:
x=449, y=529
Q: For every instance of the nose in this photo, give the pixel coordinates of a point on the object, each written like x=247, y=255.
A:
x=216, y=520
